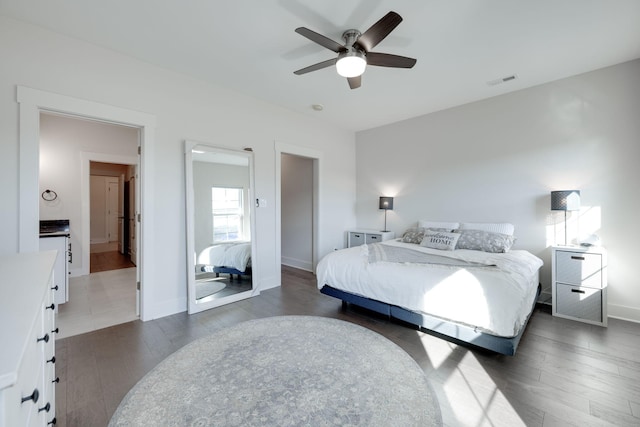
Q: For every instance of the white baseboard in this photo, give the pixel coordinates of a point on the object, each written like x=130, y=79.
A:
x=98, y=241
x=297, y=263
x=622, y=312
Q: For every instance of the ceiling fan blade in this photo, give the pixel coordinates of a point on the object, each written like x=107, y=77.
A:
x=316, y=67
x=388, y=60
x=354, y=82
x=378, y=31
x=320, y=39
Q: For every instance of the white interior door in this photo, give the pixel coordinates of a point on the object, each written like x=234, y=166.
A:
x=113, y=195
x=132, y=221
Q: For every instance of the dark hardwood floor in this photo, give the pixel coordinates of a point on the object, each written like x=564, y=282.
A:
x=112, y=260
x=565, y=373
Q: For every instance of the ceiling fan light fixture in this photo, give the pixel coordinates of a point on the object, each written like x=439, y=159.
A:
x=351, y=64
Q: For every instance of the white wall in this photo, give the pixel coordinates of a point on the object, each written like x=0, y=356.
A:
x=498, y=160
x=184, y=108
x=62, y=140
x=297, y=211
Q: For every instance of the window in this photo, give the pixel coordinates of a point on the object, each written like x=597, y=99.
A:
x=228, y=214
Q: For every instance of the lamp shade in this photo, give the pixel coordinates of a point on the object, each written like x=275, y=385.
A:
x=386, y=203
x=566, y=200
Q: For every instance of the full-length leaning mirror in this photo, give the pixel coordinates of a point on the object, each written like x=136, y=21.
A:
x=220, y=226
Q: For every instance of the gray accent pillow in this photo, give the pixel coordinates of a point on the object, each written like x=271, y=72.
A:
x=413, y=235
x=416, y=234
x=486, y=241
x=442, y=240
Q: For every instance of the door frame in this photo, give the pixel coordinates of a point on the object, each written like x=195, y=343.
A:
x=316, y=156
x=85, y=185
x=31, y=103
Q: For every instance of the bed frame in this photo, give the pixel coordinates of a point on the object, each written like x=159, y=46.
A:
x=435, y=326
x=227, y=270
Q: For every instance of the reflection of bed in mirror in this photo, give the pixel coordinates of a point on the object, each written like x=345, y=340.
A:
x=226, y=258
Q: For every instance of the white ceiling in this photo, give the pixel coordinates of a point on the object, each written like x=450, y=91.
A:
x=250, y=46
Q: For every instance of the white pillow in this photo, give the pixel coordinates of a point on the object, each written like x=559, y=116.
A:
x=437, y=224
x=492, y=227
x=440, y=240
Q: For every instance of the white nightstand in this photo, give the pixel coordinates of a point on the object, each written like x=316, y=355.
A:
x=579, y=283
x=361, y=236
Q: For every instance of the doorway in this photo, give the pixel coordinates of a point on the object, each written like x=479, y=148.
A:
x=98, y=296
x=31, y=103
x=314, y=159
x=112, y=213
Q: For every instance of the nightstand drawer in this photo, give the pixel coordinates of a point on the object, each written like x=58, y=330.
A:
x=579, y=302
x=373, y=238
x=356, y=239
x=576, y=268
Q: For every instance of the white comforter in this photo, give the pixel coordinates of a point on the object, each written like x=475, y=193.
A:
x=234, y=255
x=494, y=297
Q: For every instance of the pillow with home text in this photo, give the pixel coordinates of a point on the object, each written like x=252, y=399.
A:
x=442, y=240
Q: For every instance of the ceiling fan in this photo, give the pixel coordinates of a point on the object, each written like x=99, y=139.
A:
x=355, y=54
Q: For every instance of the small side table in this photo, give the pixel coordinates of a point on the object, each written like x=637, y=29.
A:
x=362, y=235
x=579, y=283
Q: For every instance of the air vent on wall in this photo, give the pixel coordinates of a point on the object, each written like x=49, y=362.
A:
x=502, y=80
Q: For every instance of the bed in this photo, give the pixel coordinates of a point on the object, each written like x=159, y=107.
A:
x=468, y=292
x=226, y=258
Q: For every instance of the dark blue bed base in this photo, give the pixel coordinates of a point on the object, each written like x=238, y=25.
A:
x=230, y=271
x=441, y=328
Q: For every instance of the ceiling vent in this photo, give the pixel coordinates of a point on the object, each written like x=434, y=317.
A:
x=502, y=80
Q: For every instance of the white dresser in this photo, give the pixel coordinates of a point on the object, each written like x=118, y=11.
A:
x=60, y=243
x=27, y=353
x=579, y=283
x=362, y=235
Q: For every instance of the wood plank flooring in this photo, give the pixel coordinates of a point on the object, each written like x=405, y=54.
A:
x=565, y=373
x=111, y=260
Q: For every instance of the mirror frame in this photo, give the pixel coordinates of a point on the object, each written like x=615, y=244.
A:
x=193, y=306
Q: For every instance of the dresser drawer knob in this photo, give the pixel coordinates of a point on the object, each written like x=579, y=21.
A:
x=51, y=307
x=56, y=381
x=55, y=331
x=52, y=360
x=579, y=258
x=577, y=291
x=34, y=396
x=52, y=422
x=55, y=288
x=45, y=408
x=45, y=338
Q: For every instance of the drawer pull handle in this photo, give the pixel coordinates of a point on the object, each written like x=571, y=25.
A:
x=55, y=331
x=46, y=407
x=53, y=421
x=52, y=360
x=579, y=258
x=33, y=396
x=51, y=307
x=56, y=381
x=577, y=291
x=55, y=288
x=45, y=338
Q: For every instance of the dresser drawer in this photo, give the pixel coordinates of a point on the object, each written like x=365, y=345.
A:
x=579, y=302
x=575, y=268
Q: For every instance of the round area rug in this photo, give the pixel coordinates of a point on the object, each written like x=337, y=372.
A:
x=284, y=371
x=204, y=288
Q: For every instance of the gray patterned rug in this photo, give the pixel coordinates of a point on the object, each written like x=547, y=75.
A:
x=284, y=371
